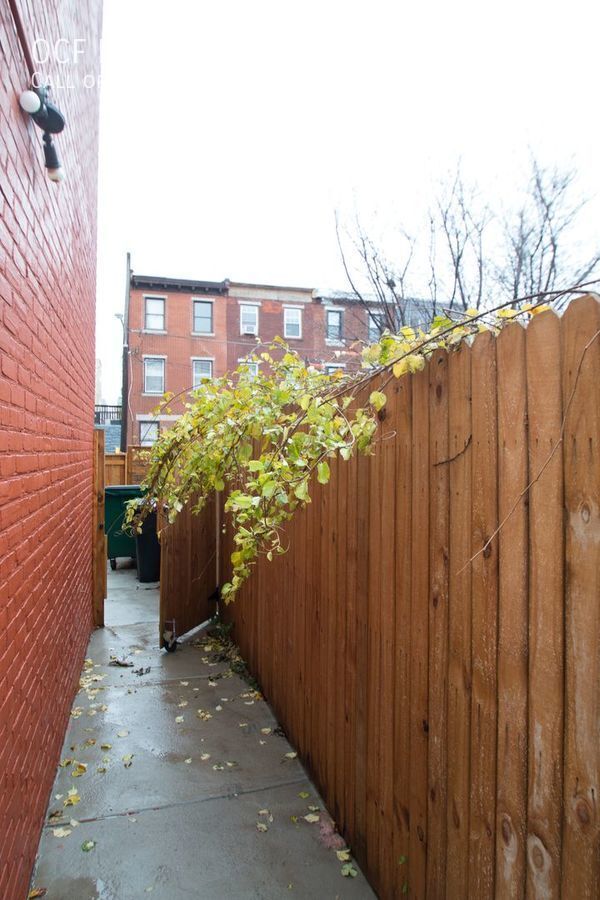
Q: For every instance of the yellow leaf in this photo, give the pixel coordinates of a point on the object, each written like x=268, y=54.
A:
x=311, y=818
x=343, y=855
x=79, y=769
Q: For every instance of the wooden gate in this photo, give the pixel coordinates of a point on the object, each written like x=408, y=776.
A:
x=188, y=571
x=98, y=535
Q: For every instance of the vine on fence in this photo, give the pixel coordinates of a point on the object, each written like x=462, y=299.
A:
x=262, y=438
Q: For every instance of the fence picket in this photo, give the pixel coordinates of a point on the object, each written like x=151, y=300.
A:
x=511, y=814
x=581, y=376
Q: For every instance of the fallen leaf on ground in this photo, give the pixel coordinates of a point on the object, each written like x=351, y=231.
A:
x=348, y=871
x=218, y=768
x=231, y=765
x=314, y=808
x=76, y=711
x=260, y=826
x=87, y=846
x=123, y=663
x=106, y=746
x=184, y=683
x=65, y=762
x=304, y=795
x=73, y=798
x=243, y=724
x=61, y=832
x=79, y=769
x=311, y=818
x=54, y=815
x=188, y=761
x=179, y=719
x=291, y=755
x=122, y=733
x=203, y=714
x=37, y=892
x=219, y=708
x=343, y=855
x=266, y=730
x=132, y=819
x=89, y=743
x=101, y=770
x=128, y=759
x=182, y=704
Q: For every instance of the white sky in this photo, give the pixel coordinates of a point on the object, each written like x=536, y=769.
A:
x=231, y=131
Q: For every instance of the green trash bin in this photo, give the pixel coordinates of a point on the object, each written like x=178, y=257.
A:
x=120, y=543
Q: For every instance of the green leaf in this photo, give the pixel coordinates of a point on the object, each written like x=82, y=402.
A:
x=301, y=492
x=378, y=400
x=269, y=488
x=323, y=473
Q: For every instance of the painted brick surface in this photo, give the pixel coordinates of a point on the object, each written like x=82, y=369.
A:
x=47, y=300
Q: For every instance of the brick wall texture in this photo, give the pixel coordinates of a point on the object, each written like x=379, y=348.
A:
x=47, y=301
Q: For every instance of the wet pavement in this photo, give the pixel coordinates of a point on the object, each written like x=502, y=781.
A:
x=186, y=788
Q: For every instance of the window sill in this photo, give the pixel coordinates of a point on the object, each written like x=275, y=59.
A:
x=202, y=333
x=292, y=337
x=153, y=393
x=334, y=343
x=153, y=331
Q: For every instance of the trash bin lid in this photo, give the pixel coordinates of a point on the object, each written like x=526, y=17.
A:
x=124, y=490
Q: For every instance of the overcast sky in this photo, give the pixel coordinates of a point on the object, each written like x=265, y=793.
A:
x=230, y=132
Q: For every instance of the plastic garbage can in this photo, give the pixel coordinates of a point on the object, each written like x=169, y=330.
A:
x=120, y=543
x=148, y=550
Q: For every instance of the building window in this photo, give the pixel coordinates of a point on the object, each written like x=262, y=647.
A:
x=334, y=325
x=201, y=370
x=154, y=313
x=292, y=322
x=249, y=319
x=251, y=366
x=376, y=326
x=332, y=368
x=203, y=317
x=148, y=433
x=154, y=375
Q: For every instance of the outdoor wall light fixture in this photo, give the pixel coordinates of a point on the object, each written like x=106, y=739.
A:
x=49, y=118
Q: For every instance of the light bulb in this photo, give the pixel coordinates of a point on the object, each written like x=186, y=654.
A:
x=30, y=102
x=57, y=175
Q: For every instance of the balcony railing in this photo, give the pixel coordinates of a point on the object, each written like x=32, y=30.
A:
x=105, y=414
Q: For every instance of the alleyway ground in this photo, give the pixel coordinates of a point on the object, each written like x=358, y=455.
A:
x=172, y=806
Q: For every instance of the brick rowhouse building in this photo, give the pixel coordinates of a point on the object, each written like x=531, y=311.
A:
x=47, y=306
x=181, y=331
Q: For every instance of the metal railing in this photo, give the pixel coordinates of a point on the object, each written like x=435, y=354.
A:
x=103, y=414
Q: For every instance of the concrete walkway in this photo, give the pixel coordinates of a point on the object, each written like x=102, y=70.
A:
x=180, y=804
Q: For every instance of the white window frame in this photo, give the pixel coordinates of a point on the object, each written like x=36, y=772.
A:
x=162, y=297
x=164, y=375
x=339, y=312
x=210, y=333
x=249, y=306
x=201, y=359
x=143, y=423
x=297, y=310
x=327, y=366
x=250, y=363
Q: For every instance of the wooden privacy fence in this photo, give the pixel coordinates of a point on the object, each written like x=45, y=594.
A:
x=125, y=468
x=441, y=678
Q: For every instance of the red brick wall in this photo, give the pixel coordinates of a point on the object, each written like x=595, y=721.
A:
x=47, y=298
x=227, y=346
